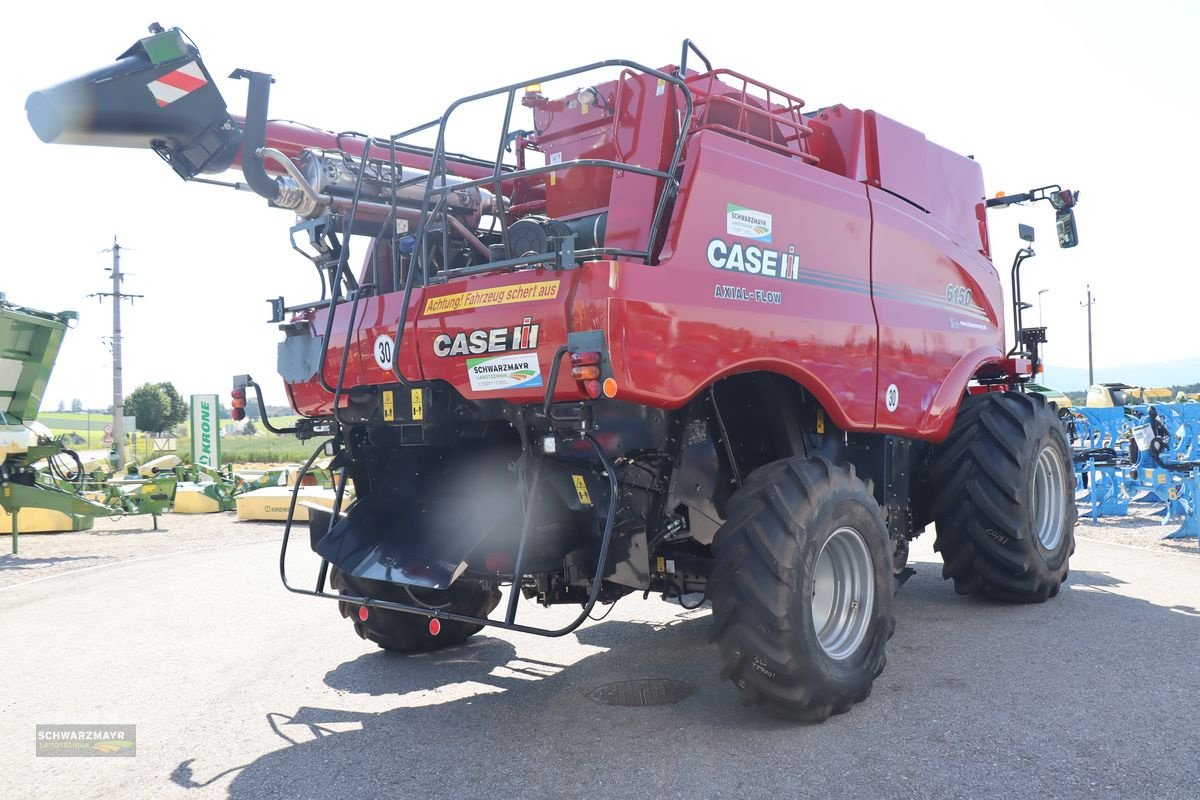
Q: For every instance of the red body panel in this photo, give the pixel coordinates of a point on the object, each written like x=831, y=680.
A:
x=863, y=277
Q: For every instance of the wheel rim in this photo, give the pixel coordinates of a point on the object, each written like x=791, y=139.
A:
x=843, y=595
x=1049, y=497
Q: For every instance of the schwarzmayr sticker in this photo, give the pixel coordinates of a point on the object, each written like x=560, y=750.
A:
x=748, y=223
x=504, y=372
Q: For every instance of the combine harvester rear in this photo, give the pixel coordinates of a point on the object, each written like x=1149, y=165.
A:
x=667, y=332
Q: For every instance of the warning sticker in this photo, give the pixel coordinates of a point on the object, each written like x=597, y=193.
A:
x=499, y=296
x=504, y=372
x=581, y=489
x=177, y=84
x=418, y=405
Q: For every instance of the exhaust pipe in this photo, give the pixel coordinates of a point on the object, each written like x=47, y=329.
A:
x=157, y=95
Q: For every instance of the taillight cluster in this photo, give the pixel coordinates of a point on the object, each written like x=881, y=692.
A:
x=585, y=368
x=238, y=409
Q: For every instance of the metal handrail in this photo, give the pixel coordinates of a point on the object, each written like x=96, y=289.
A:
x=786, y=114
x=439, y=168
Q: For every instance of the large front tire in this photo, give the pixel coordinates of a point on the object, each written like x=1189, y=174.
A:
x=802, y=591
x=401, y=632
x=1004, y=498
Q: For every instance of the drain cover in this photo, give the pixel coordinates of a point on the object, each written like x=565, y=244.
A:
x=645, y=692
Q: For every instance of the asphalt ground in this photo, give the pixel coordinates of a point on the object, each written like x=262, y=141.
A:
x=240, y=689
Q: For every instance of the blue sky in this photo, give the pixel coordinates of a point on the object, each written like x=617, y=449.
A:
x=1096, y=96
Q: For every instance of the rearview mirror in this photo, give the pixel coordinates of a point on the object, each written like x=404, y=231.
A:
x=1025, y=232
x=1068, y=234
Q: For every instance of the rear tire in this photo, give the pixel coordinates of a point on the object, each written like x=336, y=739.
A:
x=802, y=591
x=1004, y=498
x=401, y=632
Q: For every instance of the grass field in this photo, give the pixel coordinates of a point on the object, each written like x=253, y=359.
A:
x=262, y=448
x=78, y=424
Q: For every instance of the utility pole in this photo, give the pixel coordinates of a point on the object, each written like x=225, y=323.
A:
x=118, y=423
x=1090, y=302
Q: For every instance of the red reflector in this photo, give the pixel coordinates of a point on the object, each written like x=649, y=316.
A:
x=592, y=388
x=239, y=394
x=584, y=359
x=435, y=626
x=238, y=414
x=362, y=613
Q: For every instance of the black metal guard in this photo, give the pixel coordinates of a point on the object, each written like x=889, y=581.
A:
x=510, y=615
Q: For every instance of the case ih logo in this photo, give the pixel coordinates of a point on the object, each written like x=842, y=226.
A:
x=493, y=340
x=754, y=260
x=748, y=223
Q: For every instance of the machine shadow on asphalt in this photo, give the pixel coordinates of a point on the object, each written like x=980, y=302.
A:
x=9, y=563
x=482, y=688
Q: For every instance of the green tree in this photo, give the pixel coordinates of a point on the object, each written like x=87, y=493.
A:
x=178, y=406
x=76, y=406
x=150, y=404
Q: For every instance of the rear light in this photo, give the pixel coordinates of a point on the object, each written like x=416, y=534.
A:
x=238, y=410
x=584, y=359
x=585, y=373
x=585, y=368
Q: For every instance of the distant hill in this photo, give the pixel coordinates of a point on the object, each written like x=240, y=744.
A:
x=1166, y=373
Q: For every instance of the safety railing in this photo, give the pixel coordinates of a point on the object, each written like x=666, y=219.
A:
x=750, y=110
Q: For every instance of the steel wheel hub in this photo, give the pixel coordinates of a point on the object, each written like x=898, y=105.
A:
x=843, y=594
x=1049, y=497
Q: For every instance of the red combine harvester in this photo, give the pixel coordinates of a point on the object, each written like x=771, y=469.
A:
x=669, y=333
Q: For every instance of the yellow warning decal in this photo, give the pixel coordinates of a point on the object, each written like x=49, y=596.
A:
x=498, y=296
x=389, y=406
x=820, y=420
x=581, y=490
x=661, y=564
x=1162, y=478
x=418, y=406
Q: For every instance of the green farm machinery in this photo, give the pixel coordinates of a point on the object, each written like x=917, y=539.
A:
x=38, y=474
